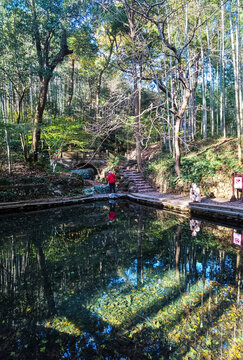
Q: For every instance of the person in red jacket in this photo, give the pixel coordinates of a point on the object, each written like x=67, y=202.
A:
x=112, y=213
x=112, y=180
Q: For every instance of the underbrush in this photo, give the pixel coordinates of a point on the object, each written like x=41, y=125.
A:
x=202, y=167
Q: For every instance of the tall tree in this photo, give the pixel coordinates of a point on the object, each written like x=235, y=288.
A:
x=155, y=13
x=54, y=35
x=137, y=107
x=222, y=74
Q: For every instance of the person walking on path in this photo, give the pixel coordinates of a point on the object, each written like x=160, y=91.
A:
x=112, y=180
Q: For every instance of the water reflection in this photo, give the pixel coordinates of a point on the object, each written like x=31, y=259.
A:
x=74, y=287
x=112, y=212
x=195, y=226
x=237, y=236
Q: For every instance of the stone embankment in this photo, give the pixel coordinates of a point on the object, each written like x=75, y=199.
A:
x=226, y=212
x=35, y=205
x=218, y=209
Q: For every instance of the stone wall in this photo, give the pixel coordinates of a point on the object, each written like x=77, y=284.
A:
x=218, y=186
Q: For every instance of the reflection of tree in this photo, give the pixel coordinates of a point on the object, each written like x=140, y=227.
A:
x=177, y=251
x=238, y=274
x=46, y=279
x=139, y=249
x=86, y=266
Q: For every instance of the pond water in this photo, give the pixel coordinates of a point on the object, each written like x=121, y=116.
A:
x=118, y=281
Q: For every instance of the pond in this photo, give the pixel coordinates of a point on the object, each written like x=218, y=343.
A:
x=118, y=281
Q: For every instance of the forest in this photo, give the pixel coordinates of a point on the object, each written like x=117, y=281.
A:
x=118, y=76
x=150, y=88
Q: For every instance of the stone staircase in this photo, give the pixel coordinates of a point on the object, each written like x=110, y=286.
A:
x=134, y=179
x=140, y=184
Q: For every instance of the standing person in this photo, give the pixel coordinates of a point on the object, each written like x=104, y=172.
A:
x=195, y=193
x=112, y=180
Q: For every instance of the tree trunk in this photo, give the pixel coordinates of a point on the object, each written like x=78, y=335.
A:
x=46, y=69
x=211, y=86
x=194, y=104
x=204, y=103
x=130, y=15
x=97, y=98
x=20, y=106
x=177, y=252
x=177, y=148
x=186, y=97
x=136, y=88
x=71, y=85
x=5, y=120
x=222, y=74
x=239, y=78
x=172, y=98
x=38, y=117
x=8, y=151
x=139, y=251
x=237, y=114
x=24, y=144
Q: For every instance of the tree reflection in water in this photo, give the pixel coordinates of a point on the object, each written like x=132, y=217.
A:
x=75, y=286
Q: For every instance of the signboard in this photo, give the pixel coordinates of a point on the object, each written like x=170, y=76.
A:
x=238, y=182
x=237, y=238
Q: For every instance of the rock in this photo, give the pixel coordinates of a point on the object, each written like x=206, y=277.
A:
x=132, y=187
x=57, y=192
x=113, y=196
x=75, y=180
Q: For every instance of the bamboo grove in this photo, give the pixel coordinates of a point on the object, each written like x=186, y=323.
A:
x=118, y=75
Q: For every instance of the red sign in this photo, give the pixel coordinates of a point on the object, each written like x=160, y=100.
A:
x=237, y=238
x=238, y=183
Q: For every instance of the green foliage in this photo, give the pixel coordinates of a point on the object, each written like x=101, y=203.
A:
x=32, y=180
x=23, y=192
x=4, y=181
x=64, y=132
x=114, y=161
x=196, y=167
x=163, y=167
x=102, y=189
x=81, y=43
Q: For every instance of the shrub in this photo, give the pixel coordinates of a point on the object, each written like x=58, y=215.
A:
x=32, y=180
x=4, y=181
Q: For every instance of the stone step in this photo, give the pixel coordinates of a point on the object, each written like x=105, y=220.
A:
x=132, y=174
x=143, y=184
x=145, y=189
x=136, y=177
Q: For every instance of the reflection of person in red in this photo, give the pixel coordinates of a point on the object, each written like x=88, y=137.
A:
x=112, y=213
x=112, y=180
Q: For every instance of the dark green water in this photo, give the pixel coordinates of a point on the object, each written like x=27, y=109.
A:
x=118, y=281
